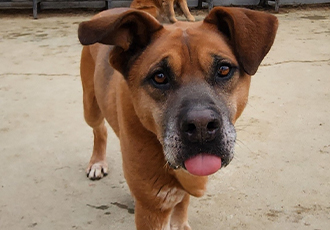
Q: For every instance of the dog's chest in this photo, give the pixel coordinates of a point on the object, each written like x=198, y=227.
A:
x=170, y=197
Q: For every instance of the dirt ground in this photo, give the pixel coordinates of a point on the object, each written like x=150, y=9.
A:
x=279, y=179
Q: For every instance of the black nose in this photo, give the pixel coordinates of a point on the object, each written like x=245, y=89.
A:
x=200, y=125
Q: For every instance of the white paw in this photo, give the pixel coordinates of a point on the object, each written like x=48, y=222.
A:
x=185, y=226
x=97, y=170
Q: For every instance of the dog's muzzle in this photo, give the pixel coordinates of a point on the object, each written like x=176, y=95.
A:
x=199, y=136
x=202, y=142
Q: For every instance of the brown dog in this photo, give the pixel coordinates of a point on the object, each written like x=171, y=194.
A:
x=171, y=94
x=163, y=10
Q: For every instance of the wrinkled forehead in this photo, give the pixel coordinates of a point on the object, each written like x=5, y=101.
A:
x=189, y=46
x=196, y=36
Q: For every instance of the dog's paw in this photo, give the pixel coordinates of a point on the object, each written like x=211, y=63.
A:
x=173, y=19
x=96, y=171
x=185, y=226
x=191, y=18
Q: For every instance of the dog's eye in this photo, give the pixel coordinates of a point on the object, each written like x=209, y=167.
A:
x=224, y=71
x=160, y=79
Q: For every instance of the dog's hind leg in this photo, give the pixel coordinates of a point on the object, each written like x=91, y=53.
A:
x=184, y=7
x=98, y=166
x=168, y=7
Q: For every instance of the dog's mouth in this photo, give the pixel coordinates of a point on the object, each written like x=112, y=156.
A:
x=202, y=164
x=199, y=158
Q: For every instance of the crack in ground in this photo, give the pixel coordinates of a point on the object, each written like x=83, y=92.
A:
x=295, y=61
x=41, y=74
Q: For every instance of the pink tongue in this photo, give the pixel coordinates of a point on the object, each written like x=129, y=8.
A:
x=203, y=164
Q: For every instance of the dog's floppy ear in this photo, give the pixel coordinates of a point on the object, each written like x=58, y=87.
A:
x=127, y=29
x=250, y=33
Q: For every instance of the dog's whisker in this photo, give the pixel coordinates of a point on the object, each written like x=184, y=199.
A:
x=250, y=105
x=242, y=126
x=238, y=142
x=242, y=130
x=236, y=157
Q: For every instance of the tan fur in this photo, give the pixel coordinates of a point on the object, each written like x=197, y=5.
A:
x=163, y=10
x=114, y=88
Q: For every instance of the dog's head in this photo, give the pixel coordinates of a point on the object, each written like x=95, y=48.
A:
x=189, y=82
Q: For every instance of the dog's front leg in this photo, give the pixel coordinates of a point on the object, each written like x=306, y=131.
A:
x=151, y=219
x=179, y=217
x=98, y=166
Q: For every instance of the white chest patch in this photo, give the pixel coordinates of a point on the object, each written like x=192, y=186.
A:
x=170, y=197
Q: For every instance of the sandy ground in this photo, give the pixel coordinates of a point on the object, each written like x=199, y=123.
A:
x=279, y=179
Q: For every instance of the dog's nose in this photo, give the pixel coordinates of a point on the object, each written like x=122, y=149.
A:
x=200, y=125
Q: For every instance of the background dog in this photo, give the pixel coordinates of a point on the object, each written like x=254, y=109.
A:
x=163, y=10
x=172, y=95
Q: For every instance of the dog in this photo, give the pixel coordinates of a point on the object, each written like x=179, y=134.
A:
x=172, y=94
x=163, y=10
